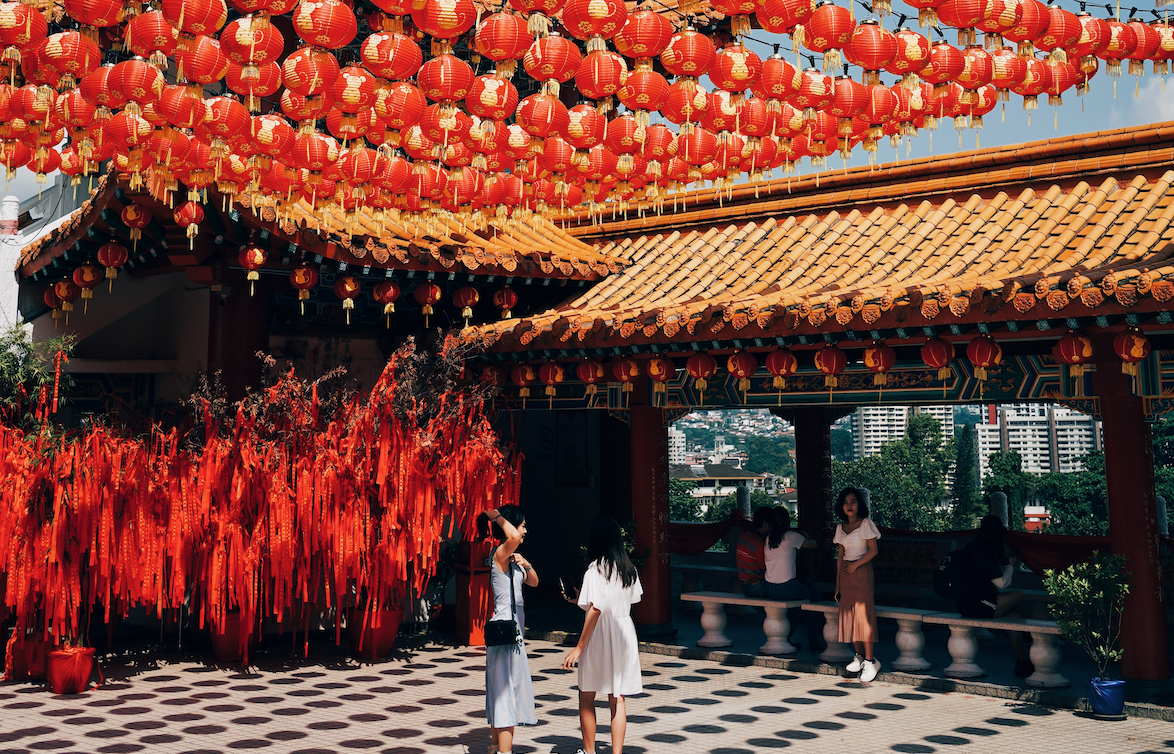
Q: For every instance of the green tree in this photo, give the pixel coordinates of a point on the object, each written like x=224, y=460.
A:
x=28, y=371
x=699, y=437
x=843, y=449
x=722, y=509
x=967, y=501
x=1077, y=501
x=906, y=480
x=1005, y=474
x=682, y=505
x=770, y=455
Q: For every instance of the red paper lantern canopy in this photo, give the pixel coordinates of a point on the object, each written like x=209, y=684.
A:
x=831, y=361
x=504, y=39
x=1130, y=346
x=445, y=19
x=872, y=48
x=880, y=358
x=645, y=34
x=304, y=279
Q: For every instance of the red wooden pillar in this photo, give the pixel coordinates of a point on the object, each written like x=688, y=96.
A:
x=1133, y=530
x=238, y=327
x=650, y=509
x=474, y=592
x=813, y=472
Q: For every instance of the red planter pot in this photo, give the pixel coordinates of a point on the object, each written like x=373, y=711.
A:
x=226, y=645
x=69, y=670
x=376, y=639
x=26, y=661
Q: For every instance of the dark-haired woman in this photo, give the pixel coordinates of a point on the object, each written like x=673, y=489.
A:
x=607, y=653
x=856, y=536
x=509, y=695
x=989, y=571
x=782, y=577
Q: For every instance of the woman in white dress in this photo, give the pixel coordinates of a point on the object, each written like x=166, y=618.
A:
x=607, y=653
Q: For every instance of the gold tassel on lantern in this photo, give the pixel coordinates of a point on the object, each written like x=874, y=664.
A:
x=302, y=296
x=252, y=277
x=193, y=231
x=625, y=387
x=347, y=305
x=388, y=310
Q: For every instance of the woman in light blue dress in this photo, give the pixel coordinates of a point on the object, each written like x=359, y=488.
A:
x=509, y=695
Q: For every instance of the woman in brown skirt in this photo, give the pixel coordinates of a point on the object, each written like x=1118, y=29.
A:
x=856, y=537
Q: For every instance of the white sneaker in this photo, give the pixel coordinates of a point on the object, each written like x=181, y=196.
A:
x=871, y=668
x=855, y=665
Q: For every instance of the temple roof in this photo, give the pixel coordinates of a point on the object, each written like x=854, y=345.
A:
x=1061, y=229
x=531, y=249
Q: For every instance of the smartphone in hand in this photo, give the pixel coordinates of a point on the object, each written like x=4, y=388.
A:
x=567, y=585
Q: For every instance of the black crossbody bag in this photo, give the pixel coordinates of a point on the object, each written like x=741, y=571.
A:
x=499, y=633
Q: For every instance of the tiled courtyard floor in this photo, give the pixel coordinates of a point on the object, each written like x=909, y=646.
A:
x=430, y=698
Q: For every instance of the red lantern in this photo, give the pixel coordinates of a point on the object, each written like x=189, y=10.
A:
x=1149, y=42
x=87, y=276
x=304, y=279
x=444, y=19
x=1130, y=346
x=54, y=303
x=252, y=258
x=426, y=294
x=735, y=69
x=71, y=55
x=552, y=374
x=386, y=293
x=493, y=376
x=22, y=28
x=552, y=60
x=872, y=48
x=1075, y=349
x=938, y=353
x=522, y=375
x=1063, y=31
x=689, y=53
x=831, y=361
x=594, y=20
x=742, y=365
x=189, y=215
x=985, y=354
x=205, y=63
x=644, y=35
x=781, y=364
x=504, y=39
x=445, y=78
x=963, y=15
x=67, y=291
x=816, y=92
x=701, y=366
x=505, y=299
x=879, y=358
x=643, y=91
x=626, y=370
x=466, y=297
x=347, y=288
x=600, y=75
x=112, y=256
x=660, y=371
x=829, y=31
x=1033, y=22
x=328, y=24
x=591, y=373
x=946, y=62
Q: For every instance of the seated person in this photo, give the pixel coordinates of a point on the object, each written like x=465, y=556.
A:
x=782, y=579
x=748, y=554
x=989, y=570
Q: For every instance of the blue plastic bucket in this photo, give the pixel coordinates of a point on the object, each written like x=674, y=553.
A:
x=1106, y=697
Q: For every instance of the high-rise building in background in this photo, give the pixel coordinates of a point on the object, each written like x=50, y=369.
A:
x=873, y=426
x=676, y=446
x=1047, y=437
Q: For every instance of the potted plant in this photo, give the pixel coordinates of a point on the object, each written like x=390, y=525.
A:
x=1089, y=598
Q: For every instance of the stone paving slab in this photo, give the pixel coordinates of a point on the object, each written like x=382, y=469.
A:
x=430, y=698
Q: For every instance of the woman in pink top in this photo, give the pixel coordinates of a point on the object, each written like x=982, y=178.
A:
x=856, y=536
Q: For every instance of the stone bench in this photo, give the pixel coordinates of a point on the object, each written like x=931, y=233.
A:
x=963, y=646
x=776, y=625
x=696, y=575
x=910, y=639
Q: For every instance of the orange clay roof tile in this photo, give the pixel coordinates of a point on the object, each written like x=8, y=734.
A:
x=999, y=232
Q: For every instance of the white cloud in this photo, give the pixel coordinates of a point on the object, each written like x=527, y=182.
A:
x=1152, y=104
